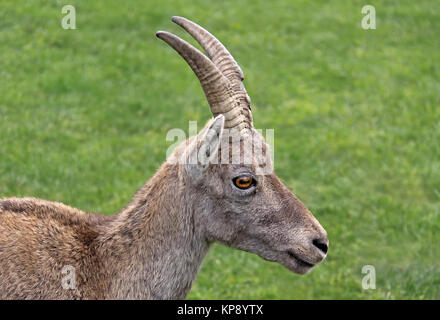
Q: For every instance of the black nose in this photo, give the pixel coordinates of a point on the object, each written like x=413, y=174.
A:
x=321, y=244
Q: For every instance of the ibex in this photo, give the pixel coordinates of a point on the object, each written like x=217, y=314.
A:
x=154, y=247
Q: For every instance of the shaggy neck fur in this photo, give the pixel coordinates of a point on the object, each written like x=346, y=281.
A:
x=154, y=248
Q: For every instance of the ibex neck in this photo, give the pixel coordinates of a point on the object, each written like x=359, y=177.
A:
x=153, y=247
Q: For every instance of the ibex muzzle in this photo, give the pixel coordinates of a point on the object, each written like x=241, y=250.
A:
x=217, y=186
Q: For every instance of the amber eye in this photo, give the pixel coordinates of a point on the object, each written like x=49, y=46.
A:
x=244, y=182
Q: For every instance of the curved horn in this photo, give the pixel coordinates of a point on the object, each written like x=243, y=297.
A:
x=220, y=78
x=213, y=82
x=214, y=48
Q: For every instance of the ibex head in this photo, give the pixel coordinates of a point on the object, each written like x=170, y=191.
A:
x=227, y=167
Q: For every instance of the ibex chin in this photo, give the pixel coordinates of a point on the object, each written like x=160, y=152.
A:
x=154, y=247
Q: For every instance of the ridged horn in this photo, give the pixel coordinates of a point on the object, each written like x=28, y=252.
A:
x=214, y=48
x=220, y=76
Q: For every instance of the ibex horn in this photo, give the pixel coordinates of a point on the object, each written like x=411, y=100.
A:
x=220, y=76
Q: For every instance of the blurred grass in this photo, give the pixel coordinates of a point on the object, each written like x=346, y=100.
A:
x=84, y=115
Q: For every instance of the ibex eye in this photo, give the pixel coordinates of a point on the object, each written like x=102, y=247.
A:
x=244, y=182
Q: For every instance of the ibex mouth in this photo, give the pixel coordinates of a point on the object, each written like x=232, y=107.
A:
x=300, y=262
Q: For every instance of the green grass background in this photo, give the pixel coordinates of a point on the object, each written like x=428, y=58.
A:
x=84, y=114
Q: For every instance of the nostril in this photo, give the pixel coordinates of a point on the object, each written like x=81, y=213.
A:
x=321, y=244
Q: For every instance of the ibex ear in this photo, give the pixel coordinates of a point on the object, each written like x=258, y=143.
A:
x=204, y=149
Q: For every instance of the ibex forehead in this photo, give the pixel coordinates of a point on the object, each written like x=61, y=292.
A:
x=249, y=150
